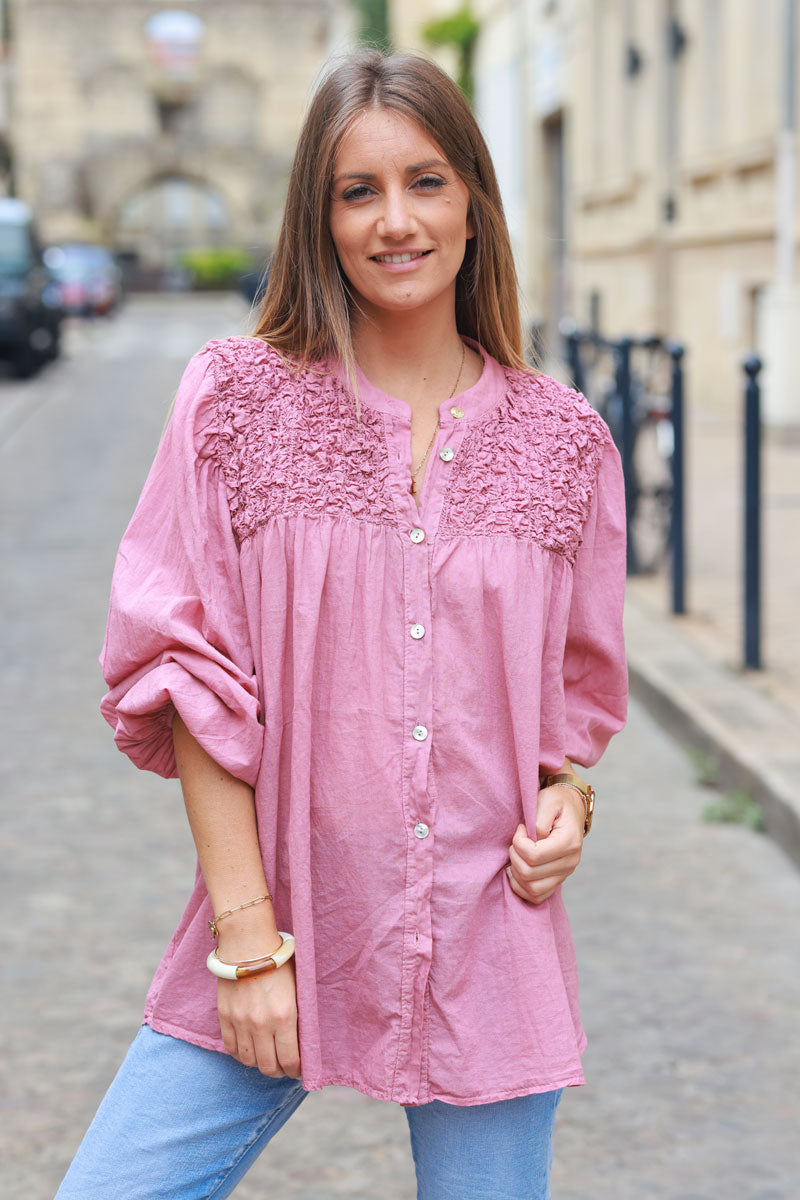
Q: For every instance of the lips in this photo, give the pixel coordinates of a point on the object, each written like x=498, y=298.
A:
x=401, y=257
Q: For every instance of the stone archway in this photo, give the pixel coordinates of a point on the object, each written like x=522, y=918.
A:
x=167, y=216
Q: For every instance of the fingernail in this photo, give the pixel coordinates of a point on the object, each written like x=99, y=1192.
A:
x=508, y=871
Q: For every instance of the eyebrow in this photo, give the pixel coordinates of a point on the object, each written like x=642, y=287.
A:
x=412, y=170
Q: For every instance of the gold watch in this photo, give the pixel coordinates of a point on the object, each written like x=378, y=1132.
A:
x=565, y=779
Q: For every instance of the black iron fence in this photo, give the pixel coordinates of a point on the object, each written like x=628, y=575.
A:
x=636, y=384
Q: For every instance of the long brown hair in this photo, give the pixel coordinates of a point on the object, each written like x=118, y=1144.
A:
x=305, y=313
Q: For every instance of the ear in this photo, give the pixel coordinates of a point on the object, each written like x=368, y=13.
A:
x=470, y=224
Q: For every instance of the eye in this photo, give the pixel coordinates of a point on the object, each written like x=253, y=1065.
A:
x=357, y=192
x=429, y=183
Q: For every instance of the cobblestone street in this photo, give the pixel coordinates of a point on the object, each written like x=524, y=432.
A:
x=686, y=932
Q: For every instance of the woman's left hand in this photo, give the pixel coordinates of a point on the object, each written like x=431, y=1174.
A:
x=538, y=867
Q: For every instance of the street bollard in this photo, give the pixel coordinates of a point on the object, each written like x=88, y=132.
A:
x=752, y=514
x=622, y=354
x=676, y=518
x=572, y=341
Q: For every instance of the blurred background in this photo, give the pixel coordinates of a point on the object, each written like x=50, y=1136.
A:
x=646, y=151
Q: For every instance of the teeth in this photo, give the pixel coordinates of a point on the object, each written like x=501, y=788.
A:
x=399, y=258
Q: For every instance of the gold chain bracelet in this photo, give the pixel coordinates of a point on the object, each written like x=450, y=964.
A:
x=212, y=924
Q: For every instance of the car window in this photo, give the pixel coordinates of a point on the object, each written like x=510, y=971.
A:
x=15, y=249
x=78, y=263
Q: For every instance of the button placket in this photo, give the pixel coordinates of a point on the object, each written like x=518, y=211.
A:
x=437, y=478
x=419, y=734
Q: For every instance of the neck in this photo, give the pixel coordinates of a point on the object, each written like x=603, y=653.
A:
x=400, y=352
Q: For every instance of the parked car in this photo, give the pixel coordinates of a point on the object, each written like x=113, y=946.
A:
x=30, y=298
x=253, y=285
x=90, y=279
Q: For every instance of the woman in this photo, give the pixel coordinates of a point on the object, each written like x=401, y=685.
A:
x=368, y=607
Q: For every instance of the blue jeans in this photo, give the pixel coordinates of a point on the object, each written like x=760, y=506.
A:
x=183, y=1123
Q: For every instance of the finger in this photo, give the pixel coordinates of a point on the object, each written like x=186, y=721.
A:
x=532, y=850
x=266, y=1058
x=559, y=844
x=530, y=893
x=288, y=1053
x=287, y=1045
x=524, y=845
x=228, y=1036
x=245, y=1053
x=520, y=866
x=557, y=807
x=538, y=889
x=565, y=831
x=544, y=889
x=536, y=892
x=547, y=813
x=562, y=866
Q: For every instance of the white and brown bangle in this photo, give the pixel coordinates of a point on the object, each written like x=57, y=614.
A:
x=253, y=966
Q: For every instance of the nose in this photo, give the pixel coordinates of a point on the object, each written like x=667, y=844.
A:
x=397, y=218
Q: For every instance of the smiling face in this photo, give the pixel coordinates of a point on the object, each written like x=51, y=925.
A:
x=399, y=215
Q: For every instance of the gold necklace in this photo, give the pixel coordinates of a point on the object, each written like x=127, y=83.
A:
x=415, y=473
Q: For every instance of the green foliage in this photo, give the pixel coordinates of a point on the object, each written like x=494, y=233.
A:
x=216, y=266
x=374, y=29
x=706, y=767
x=732, y=808
x=5, y=22
x=737, y=808
x=460, y=30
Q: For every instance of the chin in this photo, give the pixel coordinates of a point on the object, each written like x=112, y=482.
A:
x=406, y=303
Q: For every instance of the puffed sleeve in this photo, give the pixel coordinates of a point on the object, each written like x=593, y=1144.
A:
x=595, y=670
x=177, y=634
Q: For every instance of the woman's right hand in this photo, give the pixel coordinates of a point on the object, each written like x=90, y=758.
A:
x=258, y=1019
x=258, y=1015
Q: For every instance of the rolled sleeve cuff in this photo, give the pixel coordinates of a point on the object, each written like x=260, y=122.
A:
x=220, y=712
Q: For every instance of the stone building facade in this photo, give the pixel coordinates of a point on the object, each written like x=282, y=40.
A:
x=637, y=147
x=154, y=128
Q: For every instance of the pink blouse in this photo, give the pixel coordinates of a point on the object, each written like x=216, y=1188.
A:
x=390, y=681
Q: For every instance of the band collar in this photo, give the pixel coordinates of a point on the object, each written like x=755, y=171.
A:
x=463, y=406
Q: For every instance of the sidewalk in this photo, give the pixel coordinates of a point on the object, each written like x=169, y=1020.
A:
x=688, y=669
